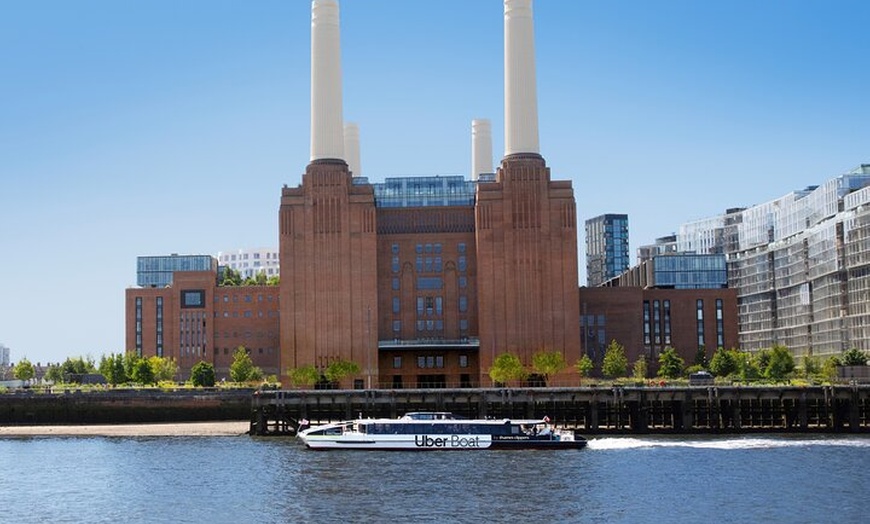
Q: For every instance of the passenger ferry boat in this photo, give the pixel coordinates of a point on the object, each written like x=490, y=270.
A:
x=440, y=431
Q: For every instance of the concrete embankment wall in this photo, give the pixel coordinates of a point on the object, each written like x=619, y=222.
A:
x=124, y=406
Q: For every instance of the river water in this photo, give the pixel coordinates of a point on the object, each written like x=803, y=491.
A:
x=791, y=479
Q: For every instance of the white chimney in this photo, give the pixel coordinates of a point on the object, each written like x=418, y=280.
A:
x=351, y=148
x=481, y=147
x=520, y=92
x=327, y=140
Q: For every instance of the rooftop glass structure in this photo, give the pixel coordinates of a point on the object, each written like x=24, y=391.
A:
x=156, y=271
x=690, y=271
x=424, y=191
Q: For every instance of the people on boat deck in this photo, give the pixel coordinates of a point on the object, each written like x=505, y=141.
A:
x=546, y=431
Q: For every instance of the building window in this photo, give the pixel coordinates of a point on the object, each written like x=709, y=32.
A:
x=397, y=362
x=720, y=324
x=159, y=326
x=395, y=264
x=395, y=249
x=395, y=283
x=438, y=306
x=397, y=326
x=463, y=324
x=420, y=302
x=463, y=361
x=700, y=306
x=657, y=334
x=139, y=326
x=463, y=303
x=396, y=306
x=460, y=247
x=463, y=282
x=192, y=298
x=667, y=308
x=461, y=264
x=647, y=340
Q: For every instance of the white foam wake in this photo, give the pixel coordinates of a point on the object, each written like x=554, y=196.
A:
x=726, y=443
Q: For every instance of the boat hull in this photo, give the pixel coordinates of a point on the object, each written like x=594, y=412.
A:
x=440, y=443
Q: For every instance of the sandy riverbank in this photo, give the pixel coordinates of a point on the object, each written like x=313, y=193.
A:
x=185, y=429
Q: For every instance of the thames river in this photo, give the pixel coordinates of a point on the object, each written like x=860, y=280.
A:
x=792, y=479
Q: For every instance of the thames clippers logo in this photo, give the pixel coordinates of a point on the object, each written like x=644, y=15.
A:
x=453, y=441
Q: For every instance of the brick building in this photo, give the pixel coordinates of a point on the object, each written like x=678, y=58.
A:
x=426, y=293
x=194, y=319
x=645, y=321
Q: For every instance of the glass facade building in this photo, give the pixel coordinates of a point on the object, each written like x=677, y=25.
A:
x=607, y=254
x=800, y=266
x=426, y=191
x=156, y=271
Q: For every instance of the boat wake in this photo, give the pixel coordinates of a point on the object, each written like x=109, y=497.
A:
x=725, y=443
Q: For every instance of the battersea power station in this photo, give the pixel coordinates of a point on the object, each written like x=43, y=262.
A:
x=419, y=281
x=423, y=281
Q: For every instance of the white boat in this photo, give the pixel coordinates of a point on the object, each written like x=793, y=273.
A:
x=440, y=431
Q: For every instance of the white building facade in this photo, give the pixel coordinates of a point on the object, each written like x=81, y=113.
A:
x=250, y=262
x=800, y=265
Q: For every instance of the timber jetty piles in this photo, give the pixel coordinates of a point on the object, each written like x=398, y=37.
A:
x=593, y=410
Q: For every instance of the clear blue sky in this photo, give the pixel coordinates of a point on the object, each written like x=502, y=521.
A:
x=143, y=128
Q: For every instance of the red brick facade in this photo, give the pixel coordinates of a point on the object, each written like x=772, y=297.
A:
x=195, y=320
x=527, y=263
x=426, y=296
x=645, y=321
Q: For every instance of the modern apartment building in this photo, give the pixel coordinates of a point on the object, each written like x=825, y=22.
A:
x=4, y=356
x=799, y=264
x=250, y=262
x=607, y=253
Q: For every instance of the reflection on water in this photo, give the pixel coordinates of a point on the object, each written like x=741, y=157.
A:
x=240, y=479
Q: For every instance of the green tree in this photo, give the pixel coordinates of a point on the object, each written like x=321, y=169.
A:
x=112, y=367
x=615, y=362
x=811, y=366
x=854, y=357
x=202, y=374
x=73, y=368
x=339, y=369
x=304, y=376
x=749, y=364
x=701, y=357
x=231, y=277
x=274, y=281
x=548, y=363
x=640, y=368
x=671, y=364
x=242, y=366
x=24, y=370
x=830, y=369
x=584, y=366
x=163, y=368
x=143, y=373
x=780, y=363
x=54, y=374
x=725, y=362
x=507, y=367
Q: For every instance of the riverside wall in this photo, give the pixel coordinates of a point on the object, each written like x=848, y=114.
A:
x=118, y=406
x=591, y=410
